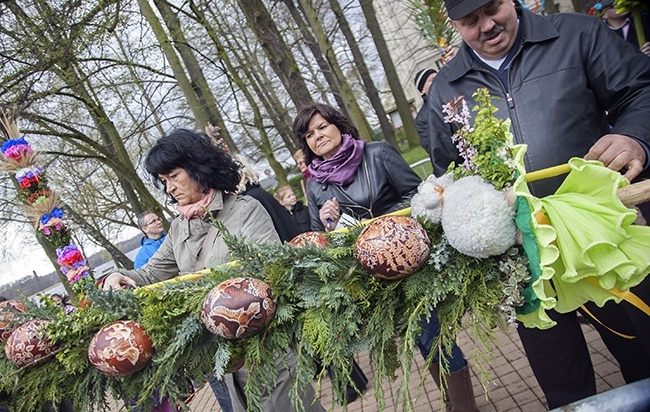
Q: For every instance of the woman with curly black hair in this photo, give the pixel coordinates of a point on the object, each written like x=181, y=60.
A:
x=202, y=181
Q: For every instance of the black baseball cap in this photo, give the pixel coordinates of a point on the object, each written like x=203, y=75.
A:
x=457, y=9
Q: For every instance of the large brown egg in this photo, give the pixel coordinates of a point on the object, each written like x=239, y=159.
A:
x=120, y=349
x=319, y=239
x=393, y=247
x=28, y=344
x=238, y=308
x=7, y=310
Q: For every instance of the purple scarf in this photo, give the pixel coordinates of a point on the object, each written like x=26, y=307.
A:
x=341, y=167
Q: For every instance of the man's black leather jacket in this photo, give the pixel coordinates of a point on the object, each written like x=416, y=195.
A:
x=569, y=71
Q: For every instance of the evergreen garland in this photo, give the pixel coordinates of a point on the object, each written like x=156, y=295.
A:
x=329, y=309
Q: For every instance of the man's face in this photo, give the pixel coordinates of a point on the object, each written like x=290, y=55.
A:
x=490, y=31
x=153, y=226
x=427, y=84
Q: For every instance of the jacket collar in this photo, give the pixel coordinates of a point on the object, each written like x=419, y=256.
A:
x=536, y=29
x=217, y=202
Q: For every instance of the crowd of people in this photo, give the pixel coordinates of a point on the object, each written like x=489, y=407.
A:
x=571, y=85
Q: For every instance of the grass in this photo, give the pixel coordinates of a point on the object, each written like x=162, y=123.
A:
x=415, y=154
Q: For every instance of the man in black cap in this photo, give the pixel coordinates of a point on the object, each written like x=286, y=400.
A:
x=561, y=83
x=423, y=80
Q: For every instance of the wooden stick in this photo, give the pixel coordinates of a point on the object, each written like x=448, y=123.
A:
x=635, y=193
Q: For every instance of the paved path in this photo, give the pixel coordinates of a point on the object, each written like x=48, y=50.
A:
x=512, y=388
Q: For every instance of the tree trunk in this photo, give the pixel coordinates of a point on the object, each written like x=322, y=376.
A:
x=284, y=65
x=200, y=116
x=391, y=73
x=199, y=83
x=264, y=145
x=355, y=113
x=262, y=86
x=312, y=44
x=373, y=95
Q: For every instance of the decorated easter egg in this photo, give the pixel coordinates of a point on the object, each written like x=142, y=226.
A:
x=7, y=311
x=238, y=308
x=120, y=349
x=319, y=239
x=28, y=344
x=392, y=247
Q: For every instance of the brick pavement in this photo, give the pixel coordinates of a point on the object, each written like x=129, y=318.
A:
x=512, y=385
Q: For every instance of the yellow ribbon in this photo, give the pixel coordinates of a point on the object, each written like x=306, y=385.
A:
x=625, y=295
x=622, y=335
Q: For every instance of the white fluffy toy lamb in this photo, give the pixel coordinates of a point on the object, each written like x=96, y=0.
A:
x=476, y=218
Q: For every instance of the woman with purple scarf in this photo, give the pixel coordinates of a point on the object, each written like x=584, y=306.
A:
x=349, y=176
x=352, y=180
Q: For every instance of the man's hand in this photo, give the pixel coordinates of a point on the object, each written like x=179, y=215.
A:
x=645, y=49
x=618, y=152
x=117, y=280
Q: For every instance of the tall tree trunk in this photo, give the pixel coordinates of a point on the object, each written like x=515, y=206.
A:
x=312, y=44
x=373, y=95
x=391, y=73
x=199, y=83
x=355, y=113
x=65, y=68
x=134, y=189
x=280, y=57
x=265, y=142
x=262, y=86
x=201, y=117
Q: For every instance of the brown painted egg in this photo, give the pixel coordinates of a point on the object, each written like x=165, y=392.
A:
x=120, y=348
x=238, y=308
x=28, y=344
x=7, y=310
x=319, y=239
x=393, y=247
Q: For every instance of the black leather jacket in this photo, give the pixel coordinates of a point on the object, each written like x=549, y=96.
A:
x=383, y=183
x=569, y=69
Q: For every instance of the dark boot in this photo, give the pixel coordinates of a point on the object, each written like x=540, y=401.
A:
x=459, y=394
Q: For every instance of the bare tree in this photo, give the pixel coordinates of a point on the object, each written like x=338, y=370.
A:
x=391, y=73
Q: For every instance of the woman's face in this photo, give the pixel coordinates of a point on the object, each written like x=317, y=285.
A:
x=323, y=138
x=182, y=187
x=288, y=200
x=302, y=164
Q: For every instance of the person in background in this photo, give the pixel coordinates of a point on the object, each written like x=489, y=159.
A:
x=294, y=208
x=249, y=185
x=299, y=157
x=151, y=226
x=623, y=25
x=202, y=181
x=63, y=301
x=561, y=79
x=367, y=180
x=423, y=80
